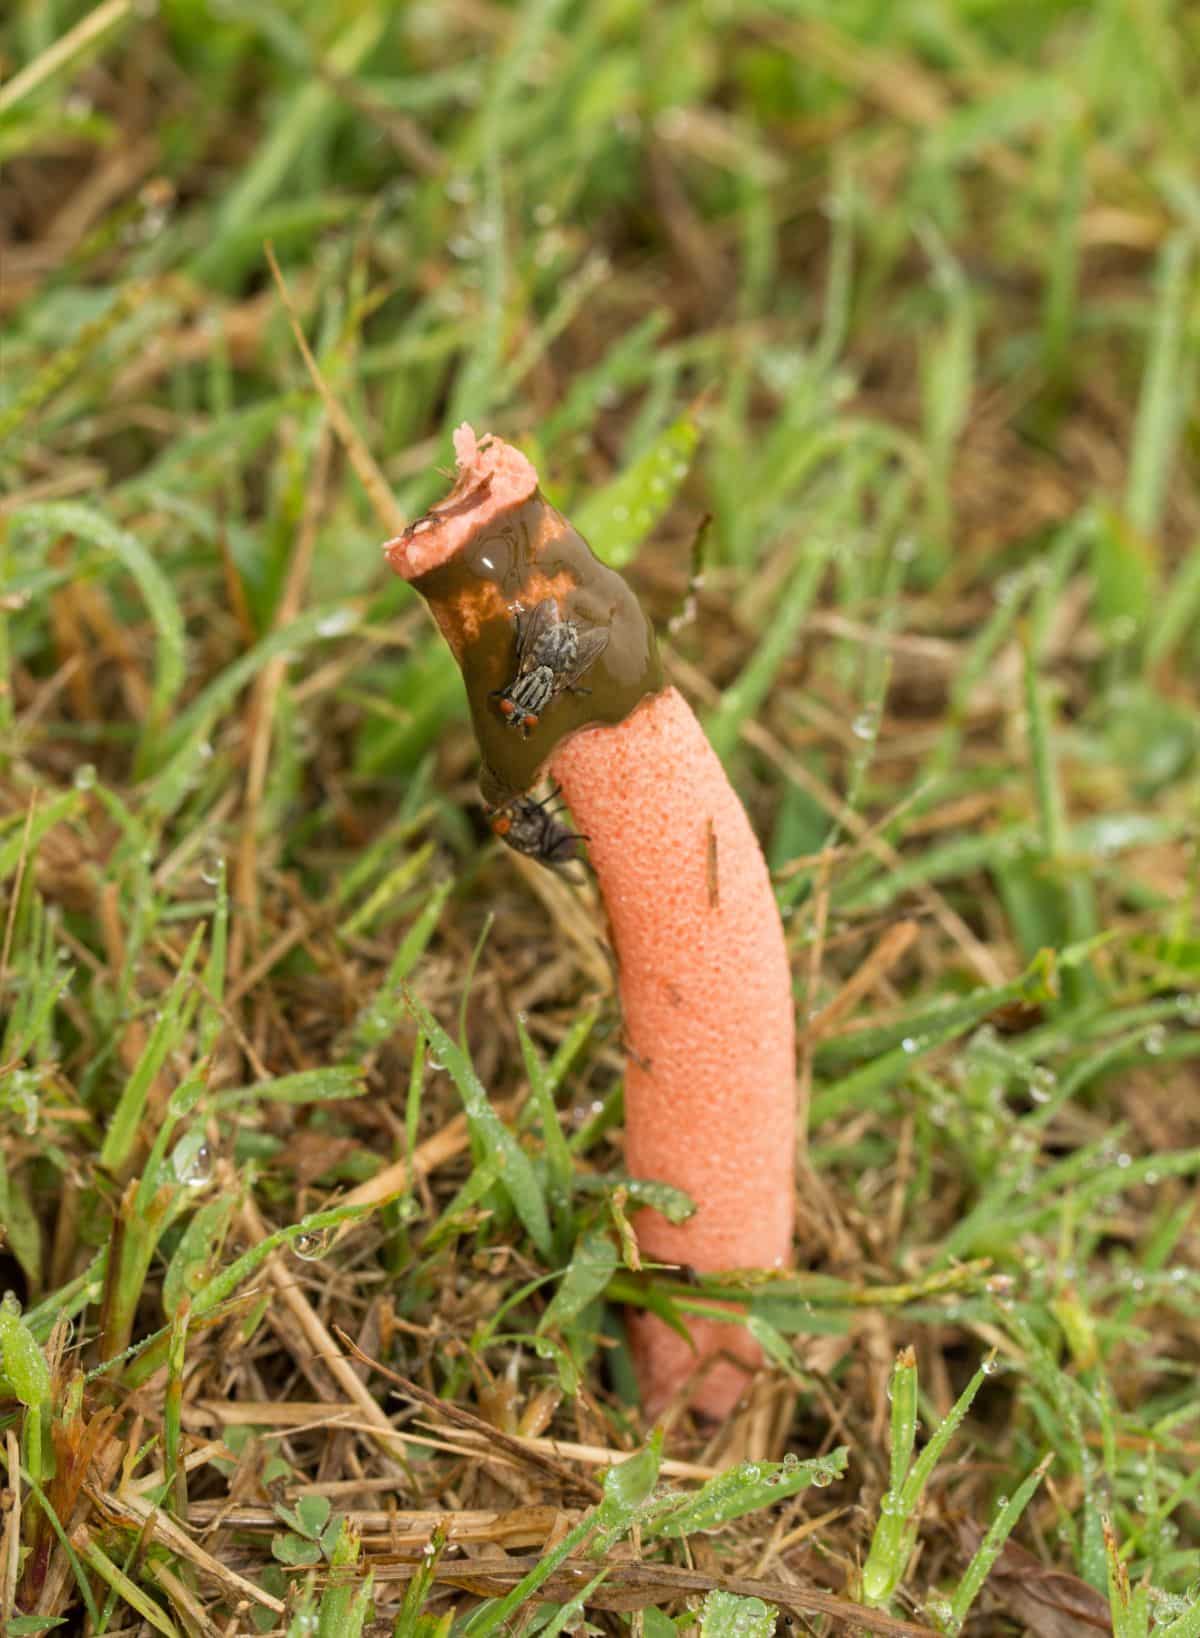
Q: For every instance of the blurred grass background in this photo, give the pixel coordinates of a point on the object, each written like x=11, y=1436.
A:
x=905, y=299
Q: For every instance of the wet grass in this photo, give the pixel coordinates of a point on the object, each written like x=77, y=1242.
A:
x=316, y=1231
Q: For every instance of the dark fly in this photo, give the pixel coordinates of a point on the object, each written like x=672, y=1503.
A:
x=533, y=828
x=552, y=653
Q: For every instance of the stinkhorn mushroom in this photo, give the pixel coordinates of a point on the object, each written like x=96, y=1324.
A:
x=704, y=979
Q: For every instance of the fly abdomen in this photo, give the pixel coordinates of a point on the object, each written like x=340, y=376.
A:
x=524, y=700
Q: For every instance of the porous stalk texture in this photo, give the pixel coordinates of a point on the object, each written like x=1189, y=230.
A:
x=707, y=1003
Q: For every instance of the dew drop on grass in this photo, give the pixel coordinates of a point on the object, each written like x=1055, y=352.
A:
x=311, y=1247
x=337, y=622
x=85, y=776
x=1155, y=1040
x=790, y=1462
x=10, y=1304
x=990, y=1367
x=192, y=1162
x=22, y=1095
x=909, y=1044
x=1041, y=1085
x=822, y=1477
x=864, y=725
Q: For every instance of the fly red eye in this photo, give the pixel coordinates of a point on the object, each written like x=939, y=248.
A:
x=530, y=720
x=501, y=824
x=507, y=707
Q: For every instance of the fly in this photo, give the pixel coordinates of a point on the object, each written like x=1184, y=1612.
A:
x=552, y=653
x=533, y=828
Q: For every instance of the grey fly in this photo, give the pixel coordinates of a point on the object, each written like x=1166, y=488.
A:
x=533, y=828
x=552, y=653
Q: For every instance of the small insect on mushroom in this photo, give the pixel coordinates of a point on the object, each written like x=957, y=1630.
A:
x=551, y=654
x=532, y=828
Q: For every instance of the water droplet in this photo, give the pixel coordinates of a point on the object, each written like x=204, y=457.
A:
x=22, y=1094
x=790, y=1462
x=1155, y=1040
x=865, y=725
x=312, y=1246
x=909, y=1044
x=990, y=1367
x=210, y=871
x=10, y=1303
x=1041, y=1085
x=434, y=1063
x=822, y=1477
x=337, y=622
x=85, y=776
x=192, y=1161
x=1124, y=1160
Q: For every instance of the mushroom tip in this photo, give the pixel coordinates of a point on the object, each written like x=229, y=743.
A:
x=466, y=445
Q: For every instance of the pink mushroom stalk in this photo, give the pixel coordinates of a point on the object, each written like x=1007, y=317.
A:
x=704, y=978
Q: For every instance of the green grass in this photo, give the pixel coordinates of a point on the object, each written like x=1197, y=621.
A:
x=908, y=299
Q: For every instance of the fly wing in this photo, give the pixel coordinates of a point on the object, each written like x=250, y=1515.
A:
x=541, y=618
x=591, y=646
